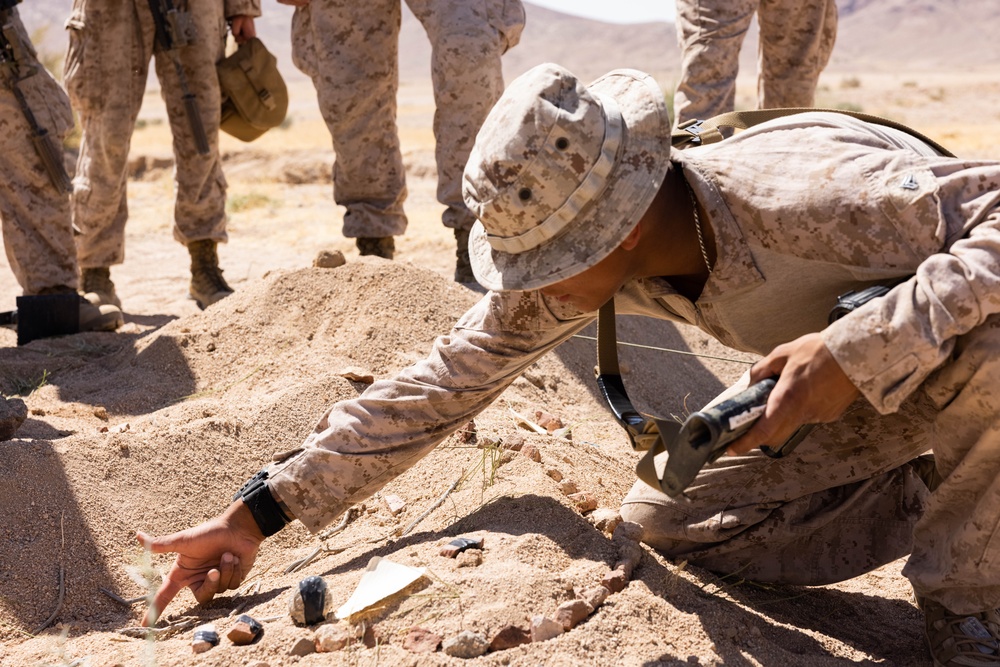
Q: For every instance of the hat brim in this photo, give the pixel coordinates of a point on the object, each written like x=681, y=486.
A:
x=606, y=221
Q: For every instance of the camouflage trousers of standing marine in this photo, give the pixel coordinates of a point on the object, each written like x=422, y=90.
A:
x=849, y=499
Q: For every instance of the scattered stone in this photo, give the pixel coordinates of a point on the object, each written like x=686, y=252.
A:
x=606, y=520
x=246, y=630
x=466, y=644
x=615, y=581
x=332, y=637
x=569, y=614
x=310, y=602
x=513, y=442
x=628, y=530
x=595, y=596
x=470, y=558
x=460, y=544
x=101, y=413
x=329, y=259
x=372, y=636
x=13, y=412
x=303, y=646
x=532, y=452
x=205, y=637
x=38, y=412
x=629, y=555
x=120, y=428
x=509, y=637
x=395, y=503
x=568, y=487
x=554, y=474
x=357, y=374
x=584, y=501
x=547, y=421
x=467, y=434
x=421, y=640
x=543, y=629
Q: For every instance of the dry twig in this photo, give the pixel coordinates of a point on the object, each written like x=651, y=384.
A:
x=62, y=580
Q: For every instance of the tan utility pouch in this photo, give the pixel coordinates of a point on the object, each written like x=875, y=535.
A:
x=254, y=96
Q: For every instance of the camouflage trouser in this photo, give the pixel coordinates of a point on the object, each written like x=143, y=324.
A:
x=350, y=51
x=37, y=234
x=796, y=39
x=111, y=44
x=848, y=500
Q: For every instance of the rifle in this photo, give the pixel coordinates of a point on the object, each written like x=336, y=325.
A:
x=12, y=61
x=173, y=31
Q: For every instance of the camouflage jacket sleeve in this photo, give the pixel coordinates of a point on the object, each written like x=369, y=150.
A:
x=889, y=346
x=361, y=444
x=242, y=8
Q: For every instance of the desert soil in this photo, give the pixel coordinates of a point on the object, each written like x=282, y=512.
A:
x=155, y=426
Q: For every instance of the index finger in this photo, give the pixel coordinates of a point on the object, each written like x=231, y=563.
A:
x=167, y=591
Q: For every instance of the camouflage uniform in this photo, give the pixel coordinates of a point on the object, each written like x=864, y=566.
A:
x=37, y=234
x=796, y=39
x=111, y=43
x=803, y=209
x=350, y=50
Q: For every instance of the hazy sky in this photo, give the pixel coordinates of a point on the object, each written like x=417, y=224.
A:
x=622, y=11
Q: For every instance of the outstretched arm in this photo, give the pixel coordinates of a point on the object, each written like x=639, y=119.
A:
x=212, y=557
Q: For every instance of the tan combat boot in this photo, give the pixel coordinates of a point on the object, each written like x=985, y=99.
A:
x=207, y=283
x=93, y=316
x=463, y=267
x=382, y=246
x=97, y=288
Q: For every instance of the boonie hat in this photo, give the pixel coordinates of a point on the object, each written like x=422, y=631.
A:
x=561, y=173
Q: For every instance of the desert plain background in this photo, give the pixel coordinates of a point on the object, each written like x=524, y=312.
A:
x=156, y=426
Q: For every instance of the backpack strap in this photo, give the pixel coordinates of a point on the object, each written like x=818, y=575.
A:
x=700, y=132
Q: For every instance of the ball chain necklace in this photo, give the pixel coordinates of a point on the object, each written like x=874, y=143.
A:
x=697, y=225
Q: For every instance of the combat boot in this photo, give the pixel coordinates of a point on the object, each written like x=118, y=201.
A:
x=207, y=284
x=463, y=267
x=382, y=246
x=93, y=317
x=97, y=288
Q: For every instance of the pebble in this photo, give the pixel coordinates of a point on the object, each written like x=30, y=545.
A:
x=569, y=614
x=395, y=503
x=13, y=412
x=554, y=474
x=460, y=544
x=331, y=637
x=513, y=443
x=509, y=636
x=421, y=640
x=302, y=646
x=470, y=558
x=568, y=487
x=466, y=644
x=310, y=602
x=606, y=520
x=246, y=630
x=547, y=421
x=595, y=596
x=329, y=259
x=543, y=629
x=584, y=501
x=532, y=452
x=204, y=638
x=615, y=581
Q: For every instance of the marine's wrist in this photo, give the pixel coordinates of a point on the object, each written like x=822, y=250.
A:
x=267, y=511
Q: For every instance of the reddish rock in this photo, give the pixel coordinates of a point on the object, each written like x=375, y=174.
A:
x=569, y=614
x=245, y=631
x=547, y=421
x=332, y=637
x=554, y=474
x=467, y=434
x=460, y=544
x=615, y=581
x=584, y=501
x=372, y=636
x=302, y=646
x=595, y=596
x=513, y=443
x=606, y=520
x=543, y=629
x=329, y=259
x=627, y=530
x=509, y=637
x=421, y=640
x=568, y=487
x=532, y=452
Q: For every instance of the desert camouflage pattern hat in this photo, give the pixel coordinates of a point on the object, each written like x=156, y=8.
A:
x=561, y=173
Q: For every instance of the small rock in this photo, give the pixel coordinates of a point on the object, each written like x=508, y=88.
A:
x=509, y=637
x=395, y=503
x=329, y=259
x=13, y=412
x=547, y=421
x=331, y=637
x=513, y=442
x=629, y=555
x=467, y=434
x=38, y=412
x=554, y=474
x=421, y=640
x=532, y=452
x=606, y=520
x=595, y=596
x=356, y=374
x=470, y=558
x=245, y=631
x=615, y=581
x=310, y=602
x=101, y=413
x=571, y=613
x=543, y=629
x=584, y=501
x=628, y=530
x=466, y=644
x=120, y=428
x=372, y=635
x=303, y=646
x=460, y=544
x=568, y=487
x=204, y=638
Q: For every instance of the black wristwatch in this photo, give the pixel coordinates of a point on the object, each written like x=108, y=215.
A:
x=265, y=509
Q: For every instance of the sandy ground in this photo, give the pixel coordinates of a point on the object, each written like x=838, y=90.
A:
x=156, y=426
